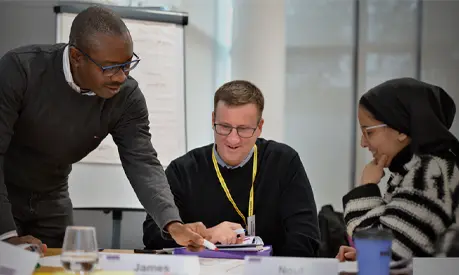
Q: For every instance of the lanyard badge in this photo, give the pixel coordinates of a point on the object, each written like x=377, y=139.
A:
x=250, y=223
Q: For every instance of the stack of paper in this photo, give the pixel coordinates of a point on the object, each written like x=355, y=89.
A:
x=252, y=246
x=251, y=243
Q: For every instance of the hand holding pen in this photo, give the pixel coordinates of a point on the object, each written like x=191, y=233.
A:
x=226, y=233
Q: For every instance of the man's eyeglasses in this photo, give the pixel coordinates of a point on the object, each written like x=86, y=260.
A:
x=225, y=130
x=111, y=70
x=367, y=133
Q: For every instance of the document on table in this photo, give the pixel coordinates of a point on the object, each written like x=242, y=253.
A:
x=250, y=243
x=221, y=266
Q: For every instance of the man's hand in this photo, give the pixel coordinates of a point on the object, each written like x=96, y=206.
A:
x=224, y=233
x=189, y=235
x=346, y=253
x=27, y=240
x=374, y=171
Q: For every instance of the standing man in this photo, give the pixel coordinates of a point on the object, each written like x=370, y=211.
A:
x=57, y=103
x=243, y=181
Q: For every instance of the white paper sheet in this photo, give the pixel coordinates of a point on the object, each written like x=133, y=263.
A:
x=250, y=243
x=350, y=267
x=221, y=266
x=15, y=260
x=51, y=261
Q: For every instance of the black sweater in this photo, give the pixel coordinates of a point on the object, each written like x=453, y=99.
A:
x=284, y=206
x=45, y=126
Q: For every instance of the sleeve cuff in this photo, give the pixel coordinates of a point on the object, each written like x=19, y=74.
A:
x=363, y=191
x=164, y=233
x=8, y=235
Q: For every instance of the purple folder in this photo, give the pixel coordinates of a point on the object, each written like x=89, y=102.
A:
x=224, y=254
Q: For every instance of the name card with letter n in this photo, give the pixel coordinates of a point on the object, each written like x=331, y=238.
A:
x=289, y=266
x=146, y=264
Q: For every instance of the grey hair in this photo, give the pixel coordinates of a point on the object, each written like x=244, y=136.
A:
x=94, y=21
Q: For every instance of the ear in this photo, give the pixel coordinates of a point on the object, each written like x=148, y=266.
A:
x=260, y=125
x=402, y=137
x=75, y=56
x=213, y=119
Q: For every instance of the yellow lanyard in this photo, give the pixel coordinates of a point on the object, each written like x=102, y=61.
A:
x=225, y=188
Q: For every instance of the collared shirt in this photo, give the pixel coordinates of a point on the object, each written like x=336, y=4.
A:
x=68, y=74
x=223, y=164
x=8, y=235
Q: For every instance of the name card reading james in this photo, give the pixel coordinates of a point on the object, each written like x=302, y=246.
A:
x=289, y=266
x=146, y=264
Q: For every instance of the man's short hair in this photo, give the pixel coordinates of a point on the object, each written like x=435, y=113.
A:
x=92, y=22
x=240, y=92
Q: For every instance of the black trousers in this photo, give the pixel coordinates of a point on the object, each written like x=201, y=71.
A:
x=45, y=216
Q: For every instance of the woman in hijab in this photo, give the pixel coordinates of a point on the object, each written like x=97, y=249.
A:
x=405, y=125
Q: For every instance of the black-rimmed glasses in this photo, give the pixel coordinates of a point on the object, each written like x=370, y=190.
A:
x=112, y=70
x=225, y=130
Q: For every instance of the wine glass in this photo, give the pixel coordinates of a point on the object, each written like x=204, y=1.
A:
x=79, y=251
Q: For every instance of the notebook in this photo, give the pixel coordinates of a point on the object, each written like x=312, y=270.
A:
x=226, y=254
x=250, y=243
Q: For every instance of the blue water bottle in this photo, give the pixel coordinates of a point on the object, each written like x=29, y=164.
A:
x=374, y=251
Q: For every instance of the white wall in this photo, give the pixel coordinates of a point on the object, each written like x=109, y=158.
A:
x=201, y=55
x=318, y=108
x=258, y=55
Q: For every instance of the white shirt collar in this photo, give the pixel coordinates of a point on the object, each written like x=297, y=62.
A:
x=222, y=163
x=68, y=73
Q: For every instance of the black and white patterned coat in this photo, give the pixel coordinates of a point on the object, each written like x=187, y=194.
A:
x=419, y=206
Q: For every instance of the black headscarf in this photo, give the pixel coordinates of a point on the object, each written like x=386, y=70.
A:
x=422, y=111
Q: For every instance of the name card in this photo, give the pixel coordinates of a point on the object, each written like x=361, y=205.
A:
x=289, y=266
x=15, y=260
x=146, y=264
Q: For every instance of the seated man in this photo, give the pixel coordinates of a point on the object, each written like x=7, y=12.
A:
x=214, y=184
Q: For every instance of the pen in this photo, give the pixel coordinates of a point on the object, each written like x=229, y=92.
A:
x=209, y=245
